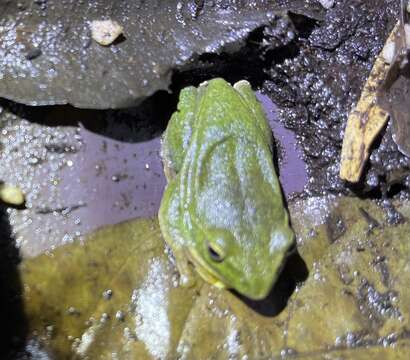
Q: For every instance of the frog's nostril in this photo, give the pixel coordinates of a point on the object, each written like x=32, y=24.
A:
x=214, y=254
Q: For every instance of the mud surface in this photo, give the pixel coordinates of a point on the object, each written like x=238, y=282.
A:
x=47, y=52
x=318, y=85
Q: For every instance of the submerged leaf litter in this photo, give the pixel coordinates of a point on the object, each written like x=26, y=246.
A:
x=360, y=272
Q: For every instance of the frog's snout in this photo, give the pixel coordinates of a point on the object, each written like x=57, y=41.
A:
x=256, y=290
x=256, y=283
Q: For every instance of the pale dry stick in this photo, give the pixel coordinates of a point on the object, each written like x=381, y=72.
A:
x=366, y=121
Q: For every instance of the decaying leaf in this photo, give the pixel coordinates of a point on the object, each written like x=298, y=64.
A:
x=365, y=121
x=103, y=292
x=116, y=296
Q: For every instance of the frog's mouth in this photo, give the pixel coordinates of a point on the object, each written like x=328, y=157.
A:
x=203, y=269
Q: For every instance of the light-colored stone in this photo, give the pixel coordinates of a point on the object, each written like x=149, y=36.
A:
x=11, y=195
x=327, y=4
x=105, y=32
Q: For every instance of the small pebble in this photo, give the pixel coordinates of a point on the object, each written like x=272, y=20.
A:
x=327, y=4
x=11, y=195
x=33, y=53
x=105, y=32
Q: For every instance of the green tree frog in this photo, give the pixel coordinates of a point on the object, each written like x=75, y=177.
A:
x=222, y=211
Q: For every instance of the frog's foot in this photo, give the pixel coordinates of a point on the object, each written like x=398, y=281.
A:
x=186, y=275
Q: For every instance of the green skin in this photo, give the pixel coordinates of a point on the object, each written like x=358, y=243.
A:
x=222, y=210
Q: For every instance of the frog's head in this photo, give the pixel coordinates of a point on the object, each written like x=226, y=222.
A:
x=249, y=265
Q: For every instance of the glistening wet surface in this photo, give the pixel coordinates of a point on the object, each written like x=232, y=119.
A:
x=292, y=168
x=78, y=178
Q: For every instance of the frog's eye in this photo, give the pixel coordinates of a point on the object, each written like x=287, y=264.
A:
x=214, y=253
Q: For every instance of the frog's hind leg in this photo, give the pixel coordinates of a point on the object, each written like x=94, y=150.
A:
x=187, y=277
x=169, y=216
x=177, y=136
x=248, y=95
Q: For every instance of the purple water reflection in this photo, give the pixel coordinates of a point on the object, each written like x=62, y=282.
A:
x=77, y=180
x=292, y=168
x=116, y=180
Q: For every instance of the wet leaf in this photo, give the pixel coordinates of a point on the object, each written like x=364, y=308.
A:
x=90, y=299
x=47, y=55
x=354, y=302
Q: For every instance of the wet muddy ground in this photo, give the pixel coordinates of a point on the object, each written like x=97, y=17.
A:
x=318, y=85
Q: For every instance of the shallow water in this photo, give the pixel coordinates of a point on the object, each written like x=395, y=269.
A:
x=292, y=168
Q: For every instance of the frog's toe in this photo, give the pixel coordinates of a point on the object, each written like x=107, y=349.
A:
x=186, y=276
x=219, y=284
x=186, y=280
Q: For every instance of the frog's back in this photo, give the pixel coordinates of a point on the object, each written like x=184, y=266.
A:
x=234, y=110
x=229, y=168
